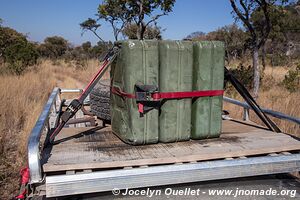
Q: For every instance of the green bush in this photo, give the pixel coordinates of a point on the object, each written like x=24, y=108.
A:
x=20, y=55
x=292, y=80
x=53, y=47
x=244, y=75
x=9, y=37
x=15, y=51
x=279, y=59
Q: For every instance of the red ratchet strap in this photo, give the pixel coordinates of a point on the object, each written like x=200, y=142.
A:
x=22, y=195
x=157, y=96
x=94, y=78
x=172, y=95
x=179, y=95
x=25, y=174
x=117, y=91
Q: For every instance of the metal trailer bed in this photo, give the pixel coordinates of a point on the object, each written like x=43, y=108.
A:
x=90, y=159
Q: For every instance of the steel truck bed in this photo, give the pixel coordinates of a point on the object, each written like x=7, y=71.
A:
x=92, y=159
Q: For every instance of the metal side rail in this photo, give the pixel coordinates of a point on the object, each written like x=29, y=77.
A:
x=47, y=120
x=275, y=114
x=42, y=125
x=61, y=185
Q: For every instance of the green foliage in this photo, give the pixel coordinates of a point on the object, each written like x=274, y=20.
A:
x=9, y=37
x=122, y=13
x=276, y=15
x=259, y=17
x=148, y=7
x=244, y=75
x=282, y=43
x=278, y=59
x=100, y=49
x=16, y=51
x=292, y=80
x=112, y=9
x=285, y=26
x=53, y=47
x=20, y=55
x=114, y=12
x=152, y=32
x=291, y=22
x=86, y=51
x=233, y=37
x=195, y=35
x=90, y=24
x=86, y=46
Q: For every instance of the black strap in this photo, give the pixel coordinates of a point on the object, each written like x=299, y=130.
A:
x=251, y=102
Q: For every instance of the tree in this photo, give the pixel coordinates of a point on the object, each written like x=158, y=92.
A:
x=291, y=80
x=121, y=13
x=54, y=47
x=86, y=46
x=233, y=37
x=9, y=37
x=243, y=10
x=114, y=12
x=16, y=51
x=277, y=19
x=139, y=9
x=285, y=35
x=20, y=55
x=91, y=25
x=152, y=32
x=195, y=35
x=99, y=50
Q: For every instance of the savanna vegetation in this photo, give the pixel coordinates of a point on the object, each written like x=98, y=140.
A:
x=262, y=50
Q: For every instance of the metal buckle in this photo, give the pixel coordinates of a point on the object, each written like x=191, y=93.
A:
x=143, y=96
x=144, y=93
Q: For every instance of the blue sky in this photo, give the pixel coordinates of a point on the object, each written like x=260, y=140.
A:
x=41, y=18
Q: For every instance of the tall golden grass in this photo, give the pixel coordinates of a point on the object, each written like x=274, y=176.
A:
x=275, y=97
x=22, y=99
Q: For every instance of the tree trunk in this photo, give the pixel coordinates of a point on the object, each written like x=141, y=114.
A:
x=227, y=58
x=141, y=31
x=263, y=56
x=256, y=78
x=115, y=33
x=138, y=32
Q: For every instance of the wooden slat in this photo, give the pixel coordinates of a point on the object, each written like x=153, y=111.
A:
x=85, y=149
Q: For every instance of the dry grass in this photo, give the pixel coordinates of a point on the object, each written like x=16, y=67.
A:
x=22, y=99
x=274, y=96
